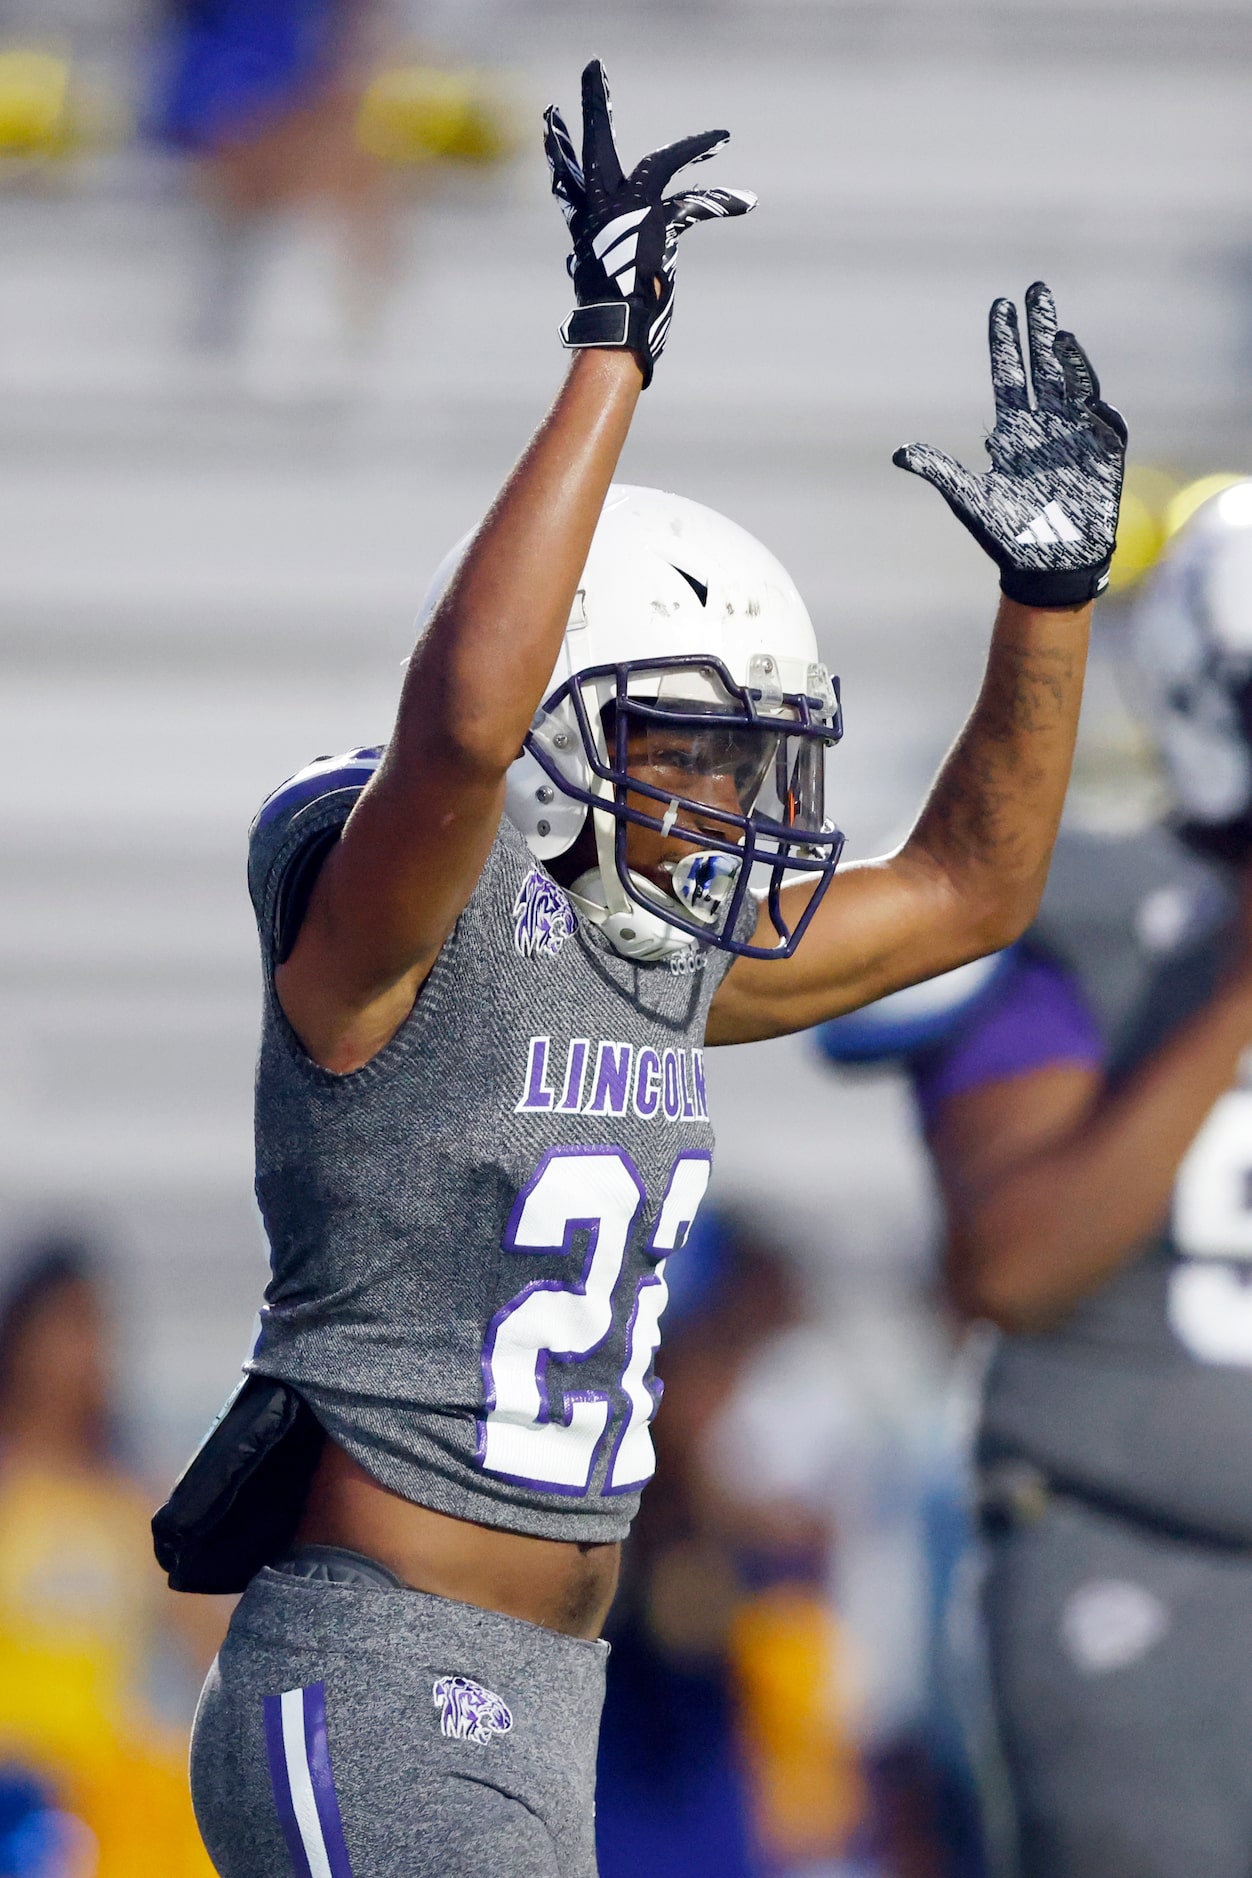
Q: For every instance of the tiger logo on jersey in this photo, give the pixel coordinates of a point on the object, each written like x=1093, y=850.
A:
x=543, y=918
x=470, y=1712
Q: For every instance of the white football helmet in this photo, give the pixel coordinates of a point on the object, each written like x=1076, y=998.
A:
x=1192, y=660
x=689, y=655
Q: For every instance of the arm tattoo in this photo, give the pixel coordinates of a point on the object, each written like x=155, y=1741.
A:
x=998, y=795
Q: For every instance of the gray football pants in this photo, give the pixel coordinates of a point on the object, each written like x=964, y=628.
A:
x=1121, y=1666
x=362, y=1730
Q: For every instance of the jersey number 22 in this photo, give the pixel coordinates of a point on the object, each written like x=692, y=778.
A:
x=551, y=1441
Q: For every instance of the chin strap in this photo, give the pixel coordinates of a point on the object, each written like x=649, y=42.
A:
x=612, y=893
x=702, y=882
x=635, y=933
x=630, y=928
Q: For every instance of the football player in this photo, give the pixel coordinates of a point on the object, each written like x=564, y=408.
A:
x=1099, y=1207
x=481, y=1116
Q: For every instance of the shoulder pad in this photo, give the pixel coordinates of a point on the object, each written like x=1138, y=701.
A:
x=315, y=802
x=896, y=1027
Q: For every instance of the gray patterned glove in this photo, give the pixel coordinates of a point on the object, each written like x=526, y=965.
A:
x=625, y=232
x=1046, y=511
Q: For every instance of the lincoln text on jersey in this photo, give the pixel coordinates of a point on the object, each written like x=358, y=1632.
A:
x=601, y=1077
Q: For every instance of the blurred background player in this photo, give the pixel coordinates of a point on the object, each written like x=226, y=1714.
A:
x=734, y=1741
x=307, y=124
x=725, y=1750
x=266, y=94
x=98, y=1662
x=1099, y=1211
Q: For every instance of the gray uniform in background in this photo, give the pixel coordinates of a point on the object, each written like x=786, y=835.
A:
x=1116, y=1450
x=468, y=1240
x=1142, y=1396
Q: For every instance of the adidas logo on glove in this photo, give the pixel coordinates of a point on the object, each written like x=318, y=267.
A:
x=1049, y=526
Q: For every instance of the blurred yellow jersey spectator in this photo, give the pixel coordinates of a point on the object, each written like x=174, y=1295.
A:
x=86, y=1625
x=786, y=1653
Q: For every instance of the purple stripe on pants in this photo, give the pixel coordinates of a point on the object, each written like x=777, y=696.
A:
x=318, y=1748
x=277, y=1753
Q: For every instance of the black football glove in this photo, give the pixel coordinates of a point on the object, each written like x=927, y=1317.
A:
x=625, y=232
x=1046, y=511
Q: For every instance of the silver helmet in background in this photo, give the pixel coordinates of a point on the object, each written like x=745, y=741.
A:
x=1191, y=656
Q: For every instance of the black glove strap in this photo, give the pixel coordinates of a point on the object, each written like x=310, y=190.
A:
x=605, y=324
x=1038, y=587
x=615, y=324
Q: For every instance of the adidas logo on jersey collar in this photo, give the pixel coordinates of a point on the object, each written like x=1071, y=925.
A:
x=1049, y=526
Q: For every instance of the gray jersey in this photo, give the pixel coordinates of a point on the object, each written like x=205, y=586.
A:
x=469, y=1235
x=1143, y=1395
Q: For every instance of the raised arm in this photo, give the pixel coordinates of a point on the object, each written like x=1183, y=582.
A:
x=1052, y=1180
x=411, y=852
x=968, y=879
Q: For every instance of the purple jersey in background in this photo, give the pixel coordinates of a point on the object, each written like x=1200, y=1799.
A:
x=1035, y=1016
